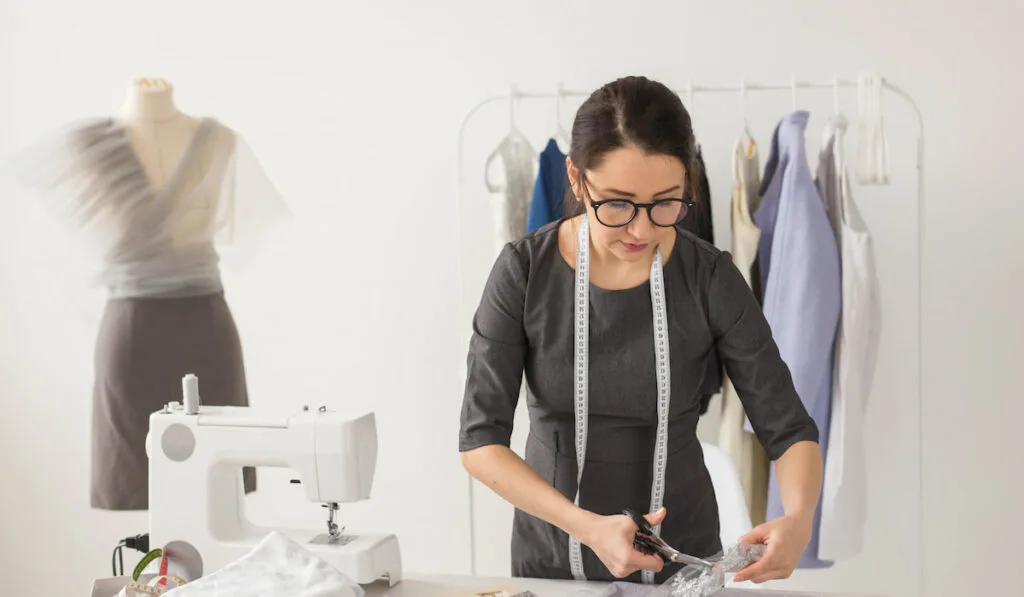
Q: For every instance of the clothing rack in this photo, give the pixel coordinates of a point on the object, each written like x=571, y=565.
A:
x=743, y=87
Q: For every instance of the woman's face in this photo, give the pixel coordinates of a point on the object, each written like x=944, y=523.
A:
x=629, y=174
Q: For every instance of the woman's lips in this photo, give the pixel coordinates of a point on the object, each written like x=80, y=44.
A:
x=634, y=248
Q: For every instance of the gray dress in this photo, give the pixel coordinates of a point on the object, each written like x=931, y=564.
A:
x=143, y=349
x=524, y=324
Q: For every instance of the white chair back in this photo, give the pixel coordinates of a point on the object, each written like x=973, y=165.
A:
x=734, y=517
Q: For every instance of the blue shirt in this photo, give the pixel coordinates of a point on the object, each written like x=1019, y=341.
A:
x=548, y=202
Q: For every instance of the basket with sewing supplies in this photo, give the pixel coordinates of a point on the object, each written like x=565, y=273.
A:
x=156, y=583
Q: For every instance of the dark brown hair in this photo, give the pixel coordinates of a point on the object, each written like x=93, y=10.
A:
x=632, y=111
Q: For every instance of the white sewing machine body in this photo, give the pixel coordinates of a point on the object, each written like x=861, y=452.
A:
x=196, y=494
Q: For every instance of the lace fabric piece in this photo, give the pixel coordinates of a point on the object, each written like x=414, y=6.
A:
x=513, y=204
x=139, y=239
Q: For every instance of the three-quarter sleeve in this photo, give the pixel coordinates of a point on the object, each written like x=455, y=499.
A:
x=497, y=354
x=763, y=381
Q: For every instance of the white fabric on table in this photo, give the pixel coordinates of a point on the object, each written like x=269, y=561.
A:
x=276, y=567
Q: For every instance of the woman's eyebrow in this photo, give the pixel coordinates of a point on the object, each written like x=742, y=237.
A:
x=607, y=192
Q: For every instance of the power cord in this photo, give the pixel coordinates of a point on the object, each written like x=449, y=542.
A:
x=139, y=543
x=115, y=558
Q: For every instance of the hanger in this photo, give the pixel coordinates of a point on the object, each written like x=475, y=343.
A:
x=835, y=95
x=792, y=90
x=561, y=135
x=693, y=122
x=743, y=104
x=513, y=134
x=746, y=139
x=873, y=151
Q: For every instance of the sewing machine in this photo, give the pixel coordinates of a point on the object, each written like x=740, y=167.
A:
x=196, y=454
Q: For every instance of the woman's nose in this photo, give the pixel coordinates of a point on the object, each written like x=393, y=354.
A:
x=641, y=225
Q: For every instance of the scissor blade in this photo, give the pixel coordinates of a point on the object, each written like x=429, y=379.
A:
x=682, y=558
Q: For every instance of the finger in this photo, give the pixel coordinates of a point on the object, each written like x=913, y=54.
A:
x=755, y=570
x=656, y=518
x=640, y=561
x=773, y=575
x=756, y=535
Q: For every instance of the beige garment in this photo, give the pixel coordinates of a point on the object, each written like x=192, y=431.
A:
x=740, y=445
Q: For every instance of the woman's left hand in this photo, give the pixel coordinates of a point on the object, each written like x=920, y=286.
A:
x=786, y=538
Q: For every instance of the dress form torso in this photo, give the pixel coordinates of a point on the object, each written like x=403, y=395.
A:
x=160, y=133
x=161, y=136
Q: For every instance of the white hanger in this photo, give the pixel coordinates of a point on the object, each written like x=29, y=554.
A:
x=561, y=135
x=514, y=132
x=792, y=90
x=873, y=151
x=746, y=139
x=743, y=100
x=835, y=95
x=690, y=100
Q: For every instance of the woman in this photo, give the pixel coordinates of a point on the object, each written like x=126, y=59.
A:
x=614, y=341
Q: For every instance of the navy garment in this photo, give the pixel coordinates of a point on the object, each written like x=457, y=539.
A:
x=548, y=202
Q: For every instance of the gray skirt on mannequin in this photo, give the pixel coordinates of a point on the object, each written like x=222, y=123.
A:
x=144, y=347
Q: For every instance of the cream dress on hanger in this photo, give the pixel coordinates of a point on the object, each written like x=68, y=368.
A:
x=740, y=445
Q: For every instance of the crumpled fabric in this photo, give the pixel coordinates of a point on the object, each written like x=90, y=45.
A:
x=276, y=567
x=692, y=581
x=696, y=582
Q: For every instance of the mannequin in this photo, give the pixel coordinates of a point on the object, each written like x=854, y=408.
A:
x=159, y=132
x=161, y=196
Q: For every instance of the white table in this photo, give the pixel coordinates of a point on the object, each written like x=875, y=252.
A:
x=425, y=585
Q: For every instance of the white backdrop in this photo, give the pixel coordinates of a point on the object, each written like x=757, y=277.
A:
x=353, y=110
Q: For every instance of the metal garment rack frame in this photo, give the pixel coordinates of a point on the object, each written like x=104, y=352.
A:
x=689, y=92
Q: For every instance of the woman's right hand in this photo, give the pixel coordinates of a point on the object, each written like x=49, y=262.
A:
x=611, y=538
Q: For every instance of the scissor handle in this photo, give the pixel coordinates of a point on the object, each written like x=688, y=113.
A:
x=640, y=521
x=646, y=541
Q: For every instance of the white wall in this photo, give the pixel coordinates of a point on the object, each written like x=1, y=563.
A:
x=347, y=104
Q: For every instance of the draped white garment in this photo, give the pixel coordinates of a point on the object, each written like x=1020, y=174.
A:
x=139, y=239
x=843, y=507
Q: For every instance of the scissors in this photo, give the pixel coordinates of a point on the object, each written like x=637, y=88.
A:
x=648, y=543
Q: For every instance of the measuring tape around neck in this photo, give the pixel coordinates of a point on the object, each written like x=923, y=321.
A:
x=581, y=327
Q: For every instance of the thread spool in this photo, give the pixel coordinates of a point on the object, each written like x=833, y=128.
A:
x=190, y=394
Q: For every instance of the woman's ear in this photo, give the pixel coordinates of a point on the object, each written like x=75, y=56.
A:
x=575, y=180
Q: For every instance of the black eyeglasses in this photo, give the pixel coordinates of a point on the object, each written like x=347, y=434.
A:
x=616, y=213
